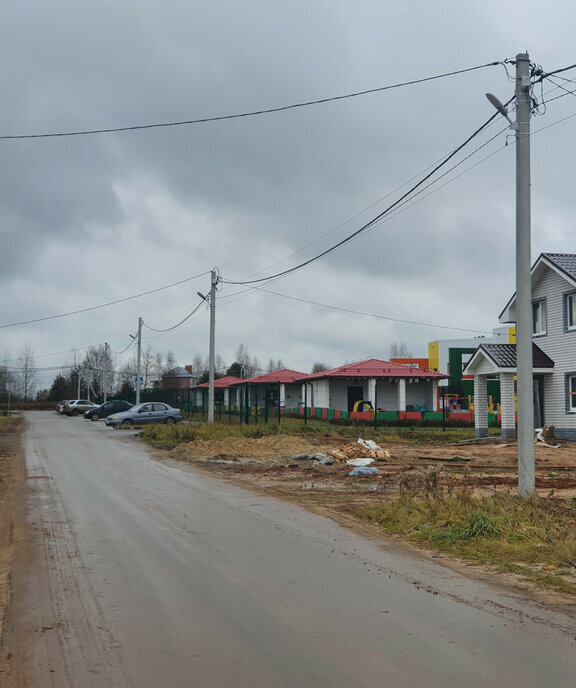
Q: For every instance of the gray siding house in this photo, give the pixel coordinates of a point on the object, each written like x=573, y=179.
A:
x=554, y=337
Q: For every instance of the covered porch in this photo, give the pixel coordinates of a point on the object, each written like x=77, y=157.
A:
x=491, y=360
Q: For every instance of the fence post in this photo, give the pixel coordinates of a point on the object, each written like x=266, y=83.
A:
x=279, y=400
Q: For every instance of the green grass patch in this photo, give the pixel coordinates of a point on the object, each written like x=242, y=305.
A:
x=9, y=423
x=504, y=532
x=188, y=432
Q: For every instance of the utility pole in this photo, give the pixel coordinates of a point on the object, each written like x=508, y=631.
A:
x=138, y=364
x=524, y=363
x=105, y=375
x=211, y=356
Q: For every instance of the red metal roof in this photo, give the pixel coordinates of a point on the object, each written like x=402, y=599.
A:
x=285, y=376
x=222, y=382
x=375, y=368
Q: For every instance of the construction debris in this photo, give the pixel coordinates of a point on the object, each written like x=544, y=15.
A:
x=360, y=462
x=363, y=449
x=364, y=470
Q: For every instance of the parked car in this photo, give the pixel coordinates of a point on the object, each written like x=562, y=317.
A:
x=149, y=412
x=60, y=405
x=77, y=406
x=107, y=409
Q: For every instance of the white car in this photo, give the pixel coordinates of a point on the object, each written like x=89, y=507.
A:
x=77, y=407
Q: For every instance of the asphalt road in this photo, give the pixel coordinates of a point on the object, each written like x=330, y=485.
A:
x=138, y=573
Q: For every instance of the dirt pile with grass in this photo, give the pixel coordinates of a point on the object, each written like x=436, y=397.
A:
x=237, y=448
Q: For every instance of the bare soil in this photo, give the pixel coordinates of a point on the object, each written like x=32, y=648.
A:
x=268, y=462
x=12, y=476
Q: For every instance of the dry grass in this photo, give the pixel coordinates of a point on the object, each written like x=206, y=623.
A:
x=170, y=436
x=532, y=537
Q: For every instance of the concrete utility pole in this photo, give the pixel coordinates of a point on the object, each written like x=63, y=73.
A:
x=139, y=359
x=524, y=363
x=211, y=356
x=105, y=373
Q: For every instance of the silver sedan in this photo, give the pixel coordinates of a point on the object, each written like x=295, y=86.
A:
x=149, y=412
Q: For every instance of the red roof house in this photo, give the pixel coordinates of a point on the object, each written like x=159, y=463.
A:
x=274, y=388
x=388, y=386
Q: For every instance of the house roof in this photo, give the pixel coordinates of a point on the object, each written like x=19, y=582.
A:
x=503, y=358
x=375, y=368
x=284, y=376
x=223, y=382
x=178, y=371
x=562, y=263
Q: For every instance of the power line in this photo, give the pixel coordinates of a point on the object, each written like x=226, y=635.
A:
x=403, y=207
x=371, y=315
x=252, y=113
x=374, y=219
x=104, y=305
x=169, y=329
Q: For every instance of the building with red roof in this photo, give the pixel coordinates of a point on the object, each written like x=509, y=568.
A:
x=273, y=389
x=388, y=386
x=225, y=391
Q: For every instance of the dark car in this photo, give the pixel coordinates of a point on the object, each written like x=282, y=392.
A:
x=107, y=409
x=149, y=412
x=60, y=405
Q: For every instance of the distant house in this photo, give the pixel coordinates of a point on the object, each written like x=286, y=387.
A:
x=226, y=392
x=273, y=389
x=388, y=386
x=554, y=352
x=178, y=378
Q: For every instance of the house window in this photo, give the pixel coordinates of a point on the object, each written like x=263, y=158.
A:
x=539, y=317
x=570, y=306
x=571, y=393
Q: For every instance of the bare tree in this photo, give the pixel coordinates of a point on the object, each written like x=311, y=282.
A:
x=170, y=363
x=318, y=367
x=96, y=368
x=199, y=365
x=399, y=350
x=249, y=366
x=27, y=372
x=219, y=364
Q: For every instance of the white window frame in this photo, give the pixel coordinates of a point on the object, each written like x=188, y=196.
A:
x=571, y=393
x=570, y=309
x=539, y=317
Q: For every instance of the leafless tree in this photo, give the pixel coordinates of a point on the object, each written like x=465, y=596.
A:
x=318, y=367
x=399, y=350
x=26, y=372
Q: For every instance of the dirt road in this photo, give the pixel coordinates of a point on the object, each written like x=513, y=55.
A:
x=135, y=572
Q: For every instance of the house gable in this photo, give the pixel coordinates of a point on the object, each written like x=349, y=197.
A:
x=562, y=264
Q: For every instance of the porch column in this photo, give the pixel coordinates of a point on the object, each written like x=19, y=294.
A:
x=507, y=406
x=402, y=394
x=226, y=397
x=372, y=391
x=282, y=400
x=434, y=396
x=480, y=406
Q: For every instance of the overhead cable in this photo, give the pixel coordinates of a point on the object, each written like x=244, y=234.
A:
x=252, y=113
x=378, y=217
x=105, y=305
x=371, y=315
x=168, y=329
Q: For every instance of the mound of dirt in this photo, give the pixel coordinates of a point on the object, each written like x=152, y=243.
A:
x=270, y=447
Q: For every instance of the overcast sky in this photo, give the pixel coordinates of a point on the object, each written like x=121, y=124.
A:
x=86, y=220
